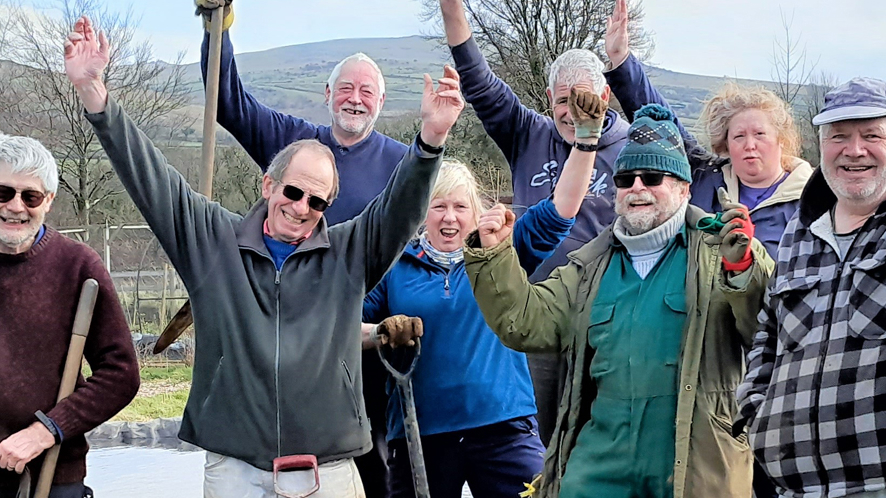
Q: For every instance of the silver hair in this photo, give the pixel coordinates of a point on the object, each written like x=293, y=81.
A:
x=281, y=161
x=358, y=57
x=576, y=65
x=28, y=156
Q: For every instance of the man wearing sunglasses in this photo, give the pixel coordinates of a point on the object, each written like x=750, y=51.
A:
x=41, y=274
x=653, y=315
x=277, y=294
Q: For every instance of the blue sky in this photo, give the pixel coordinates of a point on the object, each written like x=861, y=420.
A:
x=713, y=37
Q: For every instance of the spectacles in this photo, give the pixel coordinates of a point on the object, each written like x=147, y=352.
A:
x=31, y=198
x=295, y=194
x=625, y=179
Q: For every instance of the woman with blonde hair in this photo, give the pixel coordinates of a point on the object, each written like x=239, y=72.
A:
x=752, y=136
x=473, y=396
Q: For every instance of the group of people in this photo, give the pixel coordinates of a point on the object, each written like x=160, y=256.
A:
x=655, y=320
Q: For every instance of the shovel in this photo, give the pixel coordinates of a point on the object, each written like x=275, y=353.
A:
x=410, y=419
x=183, y=318
x=82, y=321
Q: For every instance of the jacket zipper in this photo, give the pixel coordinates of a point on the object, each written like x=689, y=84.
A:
x=353, y=392
x=446, y=283
x=277, y=367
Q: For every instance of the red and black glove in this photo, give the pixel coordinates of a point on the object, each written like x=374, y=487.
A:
x=736, y=235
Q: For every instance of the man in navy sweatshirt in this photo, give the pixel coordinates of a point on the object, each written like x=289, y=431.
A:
x=536, y=147
x=355, y=95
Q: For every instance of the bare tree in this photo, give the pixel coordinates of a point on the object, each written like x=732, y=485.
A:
x=813, y=101
x=149, y=89
x=791, y=68
x=523, y=37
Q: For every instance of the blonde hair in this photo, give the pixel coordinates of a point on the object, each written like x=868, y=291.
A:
x=733, y=99
x=454, y=174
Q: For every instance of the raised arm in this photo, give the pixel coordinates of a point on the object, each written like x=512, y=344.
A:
x=180, y=218
x=627, y=76
x=261, y=130
x=504, y=118
x=392, y=218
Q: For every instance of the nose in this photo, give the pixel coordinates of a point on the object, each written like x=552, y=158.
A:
x=354, y=98
x=750, y=143
x=16, y=205
x=301, y=206
x=855, y=147
x=449, y=215
x=638, y=184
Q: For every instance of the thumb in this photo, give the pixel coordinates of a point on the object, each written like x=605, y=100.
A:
x=429, y=84
x=723, y=196
x=510, y=218
x=103, y=43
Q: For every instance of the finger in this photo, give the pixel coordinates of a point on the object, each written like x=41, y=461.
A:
x=730, y=228
x=429, y=84
x=450, y=94
x=490, y=226
x=510, y=218
x=103, y=43
x=75, y=36
x=20, y=466
x=449, y=82
x=69, y=48
x=723, y=196
x=419, y=327
x=734, y=214
x=450, y=72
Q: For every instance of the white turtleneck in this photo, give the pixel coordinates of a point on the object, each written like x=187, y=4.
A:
x=647, y=248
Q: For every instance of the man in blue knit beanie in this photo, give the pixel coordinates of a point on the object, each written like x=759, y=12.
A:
x=653, y=314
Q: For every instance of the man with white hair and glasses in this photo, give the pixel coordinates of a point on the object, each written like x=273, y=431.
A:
x=41, y=274
x=536, y=147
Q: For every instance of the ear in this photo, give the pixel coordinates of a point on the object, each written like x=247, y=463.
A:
x=550, y=95
x=328, y=94
x=606, y=94
x=49, y=198
x=381, y=101
x=267, y=186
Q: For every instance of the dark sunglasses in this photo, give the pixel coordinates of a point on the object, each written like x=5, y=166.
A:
x=625, y=179
x=295, y=194
x=31, y=198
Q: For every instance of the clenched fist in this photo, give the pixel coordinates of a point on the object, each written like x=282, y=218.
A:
x=588, y=110
x=735, y=236
x=398, y=330
x=495, y=225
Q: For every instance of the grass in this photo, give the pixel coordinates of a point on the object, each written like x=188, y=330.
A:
x=158, y=406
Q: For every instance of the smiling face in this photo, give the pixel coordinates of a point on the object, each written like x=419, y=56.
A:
x=450, y=219
x=292, y=221
x=754, y=148
x=559, y=100
x=644, y=208
x=853, y=160
x=355, y=100
x=19, y=224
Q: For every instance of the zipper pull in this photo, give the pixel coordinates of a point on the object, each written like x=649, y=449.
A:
x=277, y=278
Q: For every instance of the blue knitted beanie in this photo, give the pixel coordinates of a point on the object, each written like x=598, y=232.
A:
x=654, y=143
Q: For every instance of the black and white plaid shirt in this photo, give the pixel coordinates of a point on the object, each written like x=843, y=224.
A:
x=815, y=391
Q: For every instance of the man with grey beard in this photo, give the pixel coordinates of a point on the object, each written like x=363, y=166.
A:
x=653, y=316
x=813, y=399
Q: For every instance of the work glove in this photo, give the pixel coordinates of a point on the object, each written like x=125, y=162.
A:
x=205, y=8
x=588, y=111
x=735, y=236
x=397, y=330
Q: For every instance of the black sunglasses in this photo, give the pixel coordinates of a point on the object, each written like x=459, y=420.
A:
x=31, y=198
x=295, y=194
x=625, y=179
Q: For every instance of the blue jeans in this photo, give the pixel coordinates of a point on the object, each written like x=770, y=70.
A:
x=495, y=461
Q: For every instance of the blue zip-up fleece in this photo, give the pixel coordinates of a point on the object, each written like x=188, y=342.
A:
x=465, y=377
x=364, y=168
x=632, y=88
x=535, y=150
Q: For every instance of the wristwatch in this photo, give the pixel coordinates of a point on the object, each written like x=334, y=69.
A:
x=50, y=426
x=430, y=149
x=585, y=147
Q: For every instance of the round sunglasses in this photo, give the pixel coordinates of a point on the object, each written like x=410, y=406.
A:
x=295, y=194
x=625, y=179
x=31, y=198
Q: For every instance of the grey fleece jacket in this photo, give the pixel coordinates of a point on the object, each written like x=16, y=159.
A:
x=277, y=363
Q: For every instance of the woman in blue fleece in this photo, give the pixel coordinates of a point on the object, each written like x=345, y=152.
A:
x=474, y=398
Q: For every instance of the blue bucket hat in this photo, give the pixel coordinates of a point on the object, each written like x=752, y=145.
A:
x=858, y=98
x=654, y=143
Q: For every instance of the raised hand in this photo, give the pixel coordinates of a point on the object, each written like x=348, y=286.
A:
x=736, y=235
x=495, y=226
x=617, y=38
x=86, y=56
x=588, y=110
x=440, y=108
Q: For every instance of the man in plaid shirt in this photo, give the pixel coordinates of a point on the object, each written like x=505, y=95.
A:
x=814, y=398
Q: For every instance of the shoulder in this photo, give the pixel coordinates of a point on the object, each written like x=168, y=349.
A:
x=76, y=258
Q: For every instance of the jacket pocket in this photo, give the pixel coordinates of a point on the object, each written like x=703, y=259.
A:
x=349, y=385
x=676, y=301
x=867, y=300
x=794, y=301
x=726, y=427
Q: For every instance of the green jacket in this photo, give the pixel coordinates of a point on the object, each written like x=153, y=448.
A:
x=553, y=316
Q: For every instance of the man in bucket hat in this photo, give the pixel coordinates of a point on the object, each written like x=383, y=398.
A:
x=653, y=316
x=813, y=398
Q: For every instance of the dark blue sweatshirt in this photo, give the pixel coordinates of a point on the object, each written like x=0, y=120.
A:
x=364, y=168
x=535, y=150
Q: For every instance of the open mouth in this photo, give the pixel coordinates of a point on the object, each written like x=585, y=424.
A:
x=14, y=221
x=856, y=169
x=291, y=219
x=449, y=233
x=354, y=112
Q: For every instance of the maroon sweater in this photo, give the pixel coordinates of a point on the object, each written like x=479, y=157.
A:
x=39, y=291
